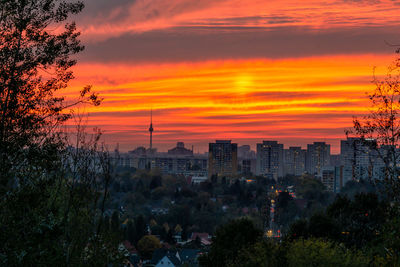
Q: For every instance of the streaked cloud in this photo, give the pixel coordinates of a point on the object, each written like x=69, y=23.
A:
x=304, y=99
x=247, y=70
x=106, y=19
x=188, y=45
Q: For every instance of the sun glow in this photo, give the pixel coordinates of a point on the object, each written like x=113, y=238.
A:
x=292, y=100
x=243, y=83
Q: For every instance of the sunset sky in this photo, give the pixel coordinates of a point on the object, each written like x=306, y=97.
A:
x=246, y=70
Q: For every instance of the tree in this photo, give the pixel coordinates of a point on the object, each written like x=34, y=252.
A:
x=286, y=209
x=355, y=223
x=35, y=63
x=156, y=181
x=317, y=252
x=115, y=223
x=382, y=125
x=229, y=240
x=140, y=227
x=147, y=245
x=51, y=197
x=263, y=254
x=130, y=232
x=360, y=219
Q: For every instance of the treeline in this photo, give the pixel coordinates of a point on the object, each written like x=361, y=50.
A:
x=52, y=197
x=363, y=231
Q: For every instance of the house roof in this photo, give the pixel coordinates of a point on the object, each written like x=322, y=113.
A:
x=204, y=238
x=159, y=254
x=174, y=259
x=188, y=255
x=200, y=235
x=129, y=247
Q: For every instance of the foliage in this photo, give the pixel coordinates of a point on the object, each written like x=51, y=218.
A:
x=263, y=254
x=35, y=63
x=286, y=209
x=354, y=223
x=147, y=245
x=382, y=125
x=229, y=240
x=317, y=252
x=52, y=196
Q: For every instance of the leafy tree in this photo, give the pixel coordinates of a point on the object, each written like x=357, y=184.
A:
x=354, y=187
x=147, y=245
x=355, y=223
x=178, y=229
x=156, y=181
x=262, y=254
x=387, y=250
x=318, y=226
x=360, y=219
x=298, y=229
x=158, y=193
x=317, y=252
x=323, y=226
x=169, y=238
x=382, y=125
x=52, y=199
x=229, y=239
x=115, y=223
x=130, y=232
x=140, y=227
x=34, y=63
x=310, y=189
x=286, y=210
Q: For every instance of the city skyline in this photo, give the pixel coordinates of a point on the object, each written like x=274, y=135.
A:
x=201, y=147
x=253, y=147
x=241, y=70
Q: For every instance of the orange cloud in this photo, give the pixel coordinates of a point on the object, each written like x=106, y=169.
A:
x=293, y=100
x=147, y=15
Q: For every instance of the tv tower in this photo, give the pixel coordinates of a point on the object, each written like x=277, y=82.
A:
x=151, y=129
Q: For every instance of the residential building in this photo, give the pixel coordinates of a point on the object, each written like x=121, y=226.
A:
x=317, y=157
x=358, y=159
x=328, y=178
x=222, y=159
x=270, y=159
x=294, y=161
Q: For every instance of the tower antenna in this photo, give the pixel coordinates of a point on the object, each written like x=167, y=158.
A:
x=151, y=129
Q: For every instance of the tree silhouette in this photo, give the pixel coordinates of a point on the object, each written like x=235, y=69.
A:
x=49, y=192
x=380, y=129
x=35, y=63
x=229, y=240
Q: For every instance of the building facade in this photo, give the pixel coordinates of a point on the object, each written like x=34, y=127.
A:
x=359, y=161
x=294, y=161
x=317, y=157
x=222, y=159
x=270, y=159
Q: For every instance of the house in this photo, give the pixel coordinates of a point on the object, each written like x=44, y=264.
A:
x=165, y=258
x=134, y=259
x=189, y=256
x=178, y=237
x=129, y=247
x=205, y=238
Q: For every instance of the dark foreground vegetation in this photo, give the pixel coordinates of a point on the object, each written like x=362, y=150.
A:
x=359, y=232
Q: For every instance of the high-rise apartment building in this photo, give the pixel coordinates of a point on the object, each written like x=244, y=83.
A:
x=222, y=159
x=359, y=160
x=294, y=161
x=270, y=159
x=317, y=157
x=328, y=178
